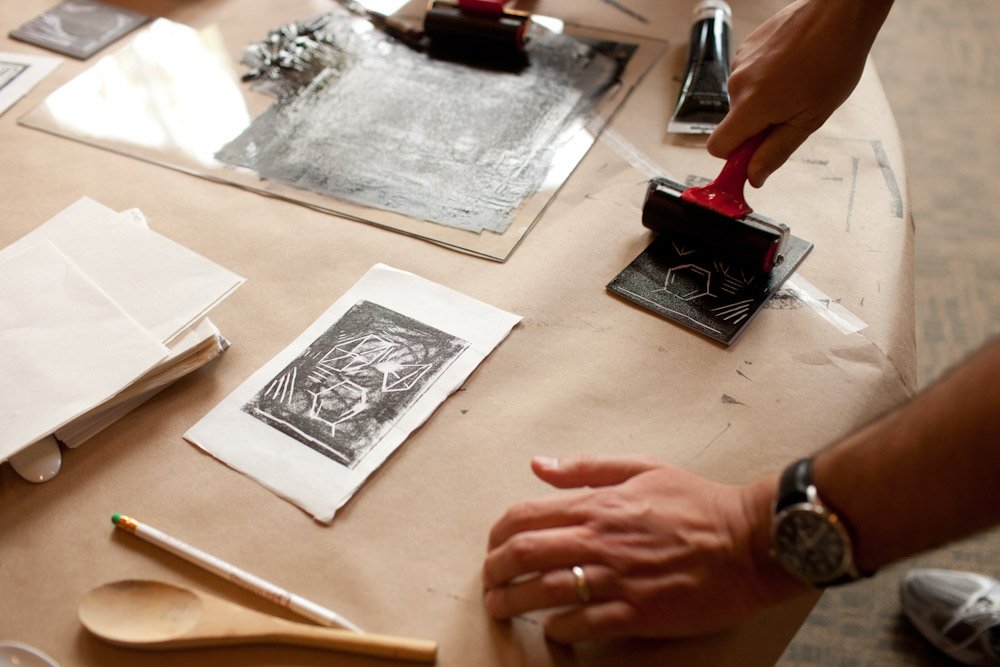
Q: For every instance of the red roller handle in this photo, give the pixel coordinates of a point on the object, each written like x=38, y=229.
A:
x=485, y=6
x=725, y=194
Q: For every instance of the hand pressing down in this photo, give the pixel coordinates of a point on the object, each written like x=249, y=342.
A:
x=791, y=74
x=661, y=552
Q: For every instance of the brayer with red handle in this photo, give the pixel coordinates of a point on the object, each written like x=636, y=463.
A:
x=716, y=217
x=479, y=31
x=476, y=24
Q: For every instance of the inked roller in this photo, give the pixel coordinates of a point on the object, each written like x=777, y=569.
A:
x=477, y=32
x=475, y=25
x=716, y=216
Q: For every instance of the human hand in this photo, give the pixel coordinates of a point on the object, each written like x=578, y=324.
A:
x=792, y=73
x=665, y=553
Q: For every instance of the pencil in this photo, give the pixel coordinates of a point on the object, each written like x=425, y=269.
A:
x=230, y=572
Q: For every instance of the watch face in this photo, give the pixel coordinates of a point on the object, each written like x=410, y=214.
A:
x=810, y=545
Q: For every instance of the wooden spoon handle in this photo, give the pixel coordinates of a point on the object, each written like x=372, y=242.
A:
x=364, y=643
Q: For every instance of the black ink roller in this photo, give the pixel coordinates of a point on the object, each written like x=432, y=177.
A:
x=480, y=33
x=716, y=216
x=475, y=25
x=475, y=32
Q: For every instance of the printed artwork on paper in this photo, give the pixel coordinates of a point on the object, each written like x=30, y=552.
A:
x=346, y=390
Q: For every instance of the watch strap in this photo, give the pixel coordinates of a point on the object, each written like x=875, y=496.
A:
x=793, y=488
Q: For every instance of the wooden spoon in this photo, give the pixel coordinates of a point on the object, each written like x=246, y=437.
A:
x=155, y=614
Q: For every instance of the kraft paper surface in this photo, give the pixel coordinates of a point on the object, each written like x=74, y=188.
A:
x=583, y=372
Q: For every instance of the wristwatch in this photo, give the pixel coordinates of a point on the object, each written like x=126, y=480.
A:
x=808, y=539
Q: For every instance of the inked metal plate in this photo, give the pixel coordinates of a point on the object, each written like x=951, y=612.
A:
x=79, y=28
x=693, y=288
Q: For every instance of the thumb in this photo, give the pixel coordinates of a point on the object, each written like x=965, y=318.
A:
x=735, y=128
x=577, y=471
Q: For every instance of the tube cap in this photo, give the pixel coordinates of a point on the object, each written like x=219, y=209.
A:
x=707, y=9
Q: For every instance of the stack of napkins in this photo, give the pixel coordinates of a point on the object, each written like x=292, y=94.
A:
x=98, y=313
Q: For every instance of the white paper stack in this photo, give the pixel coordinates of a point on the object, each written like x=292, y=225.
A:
x=97, y=314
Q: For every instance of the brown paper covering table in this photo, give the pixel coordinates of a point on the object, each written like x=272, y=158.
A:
x=583, y=372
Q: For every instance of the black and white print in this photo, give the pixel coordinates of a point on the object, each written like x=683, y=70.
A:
x=10, y=71
x=349, y=386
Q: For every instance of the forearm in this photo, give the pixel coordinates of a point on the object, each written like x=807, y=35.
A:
x=923, y=475
x=927, y=473
x=867, y=15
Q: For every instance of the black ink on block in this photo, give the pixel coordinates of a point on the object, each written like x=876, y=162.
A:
x=692, y=287
x=346, y=389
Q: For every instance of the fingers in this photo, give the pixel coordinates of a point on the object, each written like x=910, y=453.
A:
x=733, y=130
x=577, y=471
x=775, y=151
x=537, y=551
x=603, y=620
x=565, y=510
x=555, y=588
x=538, y=514
x=601, y=617
x=784, y=139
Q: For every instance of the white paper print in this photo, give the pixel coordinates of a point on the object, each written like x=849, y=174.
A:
x=321, y=416
x=19, y=73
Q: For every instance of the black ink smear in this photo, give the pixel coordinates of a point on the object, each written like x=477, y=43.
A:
x=712, y=441
x=890, y=178
x=855, y=162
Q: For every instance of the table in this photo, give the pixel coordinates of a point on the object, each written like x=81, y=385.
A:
x=583, y=372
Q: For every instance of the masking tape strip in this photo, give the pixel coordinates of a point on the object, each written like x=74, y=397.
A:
x=828, y=309
x=635, y=157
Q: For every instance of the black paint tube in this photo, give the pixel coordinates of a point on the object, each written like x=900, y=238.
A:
x=704, y=98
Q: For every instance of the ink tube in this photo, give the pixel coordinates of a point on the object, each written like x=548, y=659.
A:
x=704, y=96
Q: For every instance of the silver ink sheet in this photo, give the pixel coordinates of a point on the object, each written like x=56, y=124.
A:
x=388, y=136
x=441, y=141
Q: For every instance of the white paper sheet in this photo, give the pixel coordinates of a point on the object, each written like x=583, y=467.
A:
x=189, y=351
x=163, y=285
x=314, y=422
x=64, y=346
x=19, y=73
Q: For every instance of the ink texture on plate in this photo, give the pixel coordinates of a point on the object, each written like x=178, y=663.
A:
x=379, y=133
x=386, y=126
x=314, y=422
x=692, y=287
x=345, y=390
